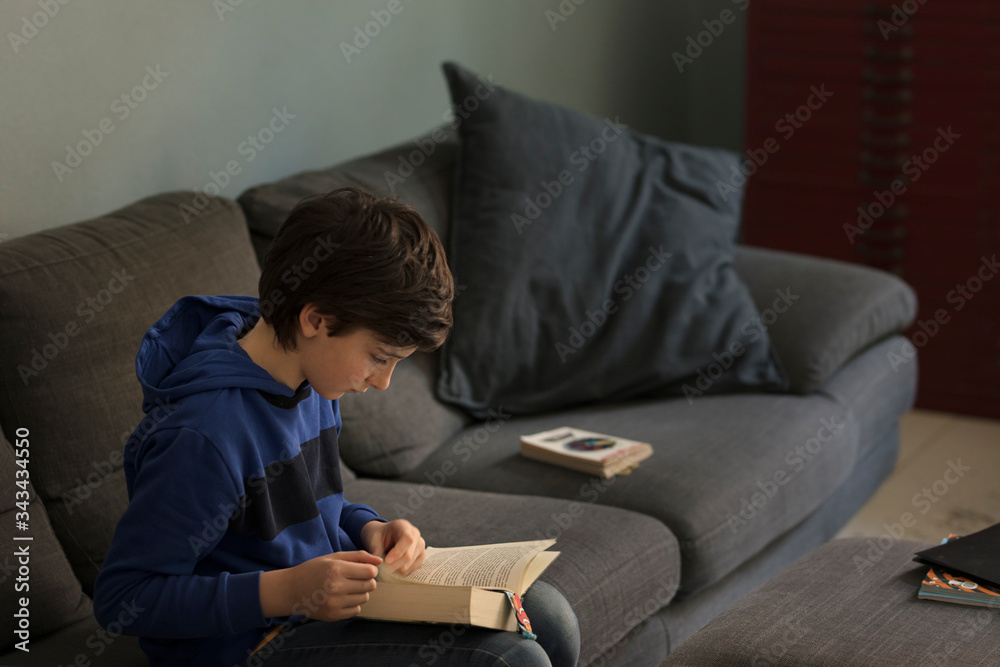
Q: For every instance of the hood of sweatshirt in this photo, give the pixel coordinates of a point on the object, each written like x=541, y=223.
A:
x=193, y=349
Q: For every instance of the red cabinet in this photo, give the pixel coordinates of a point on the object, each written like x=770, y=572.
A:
x=897, y=167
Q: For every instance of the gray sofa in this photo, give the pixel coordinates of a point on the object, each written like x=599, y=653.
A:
x=739, y=487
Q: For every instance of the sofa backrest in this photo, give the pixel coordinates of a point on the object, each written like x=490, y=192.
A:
x=74, y=304
x=419, y=172
x=385, y=434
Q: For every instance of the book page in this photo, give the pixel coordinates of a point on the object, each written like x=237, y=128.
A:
x=485, y=566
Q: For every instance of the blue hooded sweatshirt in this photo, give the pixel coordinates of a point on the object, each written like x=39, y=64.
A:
x=231, y=473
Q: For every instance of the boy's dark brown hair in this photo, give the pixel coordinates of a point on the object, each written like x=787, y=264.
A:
x=369, y=262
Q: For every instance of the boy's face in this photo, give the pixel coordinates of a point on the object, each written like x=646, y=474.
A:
x=340, y=365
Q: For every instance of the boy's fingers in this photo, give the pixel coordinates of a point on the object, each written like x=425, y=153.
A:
x=358, y=557
x=398, y=549
x=410, y=537
x=348, y=601
x=358, y=567
x=411, y=555
x=359, y=571
x=415, y=564
x=404, y=546
x=356, y=586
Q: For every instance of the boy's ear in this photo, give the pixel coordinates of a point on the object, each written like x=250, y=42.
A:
x=311, y=322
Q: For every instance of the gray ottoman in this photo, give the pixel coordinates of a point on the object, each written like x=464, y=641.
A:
x=851, y=602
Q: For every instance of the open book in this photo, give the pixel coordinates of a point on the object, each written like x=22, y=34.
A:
x=585, y=451
x=461, y=585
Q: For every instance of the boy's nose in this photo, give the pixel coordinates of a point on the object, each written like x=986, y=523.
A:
x=380, y=381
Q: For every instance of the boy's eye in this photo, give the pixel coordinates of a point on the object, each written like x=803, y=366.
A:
x=379, y=361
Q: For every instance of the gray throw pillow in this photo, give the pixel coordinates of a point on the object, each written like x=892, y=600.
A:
x=594, y=262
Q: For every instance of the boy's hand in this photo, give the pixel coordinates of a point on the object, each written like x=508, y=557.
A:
x=326, y=588
x=399, y=541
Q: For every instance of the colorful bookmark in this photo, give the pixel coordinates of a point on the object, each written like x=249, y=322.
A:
x=523, y=624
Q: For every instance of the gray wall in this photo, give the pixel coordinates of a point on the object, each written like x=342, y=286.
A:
x=223, y=72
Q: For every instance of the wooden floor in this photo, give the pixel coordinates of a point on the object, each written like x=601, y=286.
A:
x=947, y=480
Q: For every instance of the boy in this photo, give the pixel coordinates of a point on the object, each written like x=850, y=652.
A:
x=237, y=525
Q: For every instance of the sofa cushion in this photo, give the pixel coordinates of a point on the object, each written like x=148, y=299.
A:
x=728, y=475
x=385, y=433
x=55, y=599
x=616, y=567
x=77, y=301
x=820, y=312
x=596, y=262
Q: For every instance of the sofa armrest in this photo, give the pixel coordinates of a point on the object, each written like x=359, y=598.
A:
x=823, y=312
